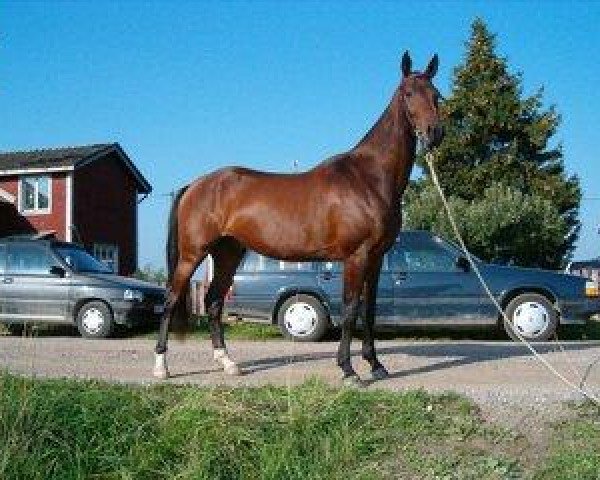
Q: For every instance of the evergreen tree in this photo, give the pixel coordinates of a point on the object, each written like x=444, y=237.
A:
x=496, y=136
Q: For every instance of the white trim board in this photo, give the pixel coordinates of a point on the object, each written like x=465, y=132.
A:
x=68, y=207
x=35, y=170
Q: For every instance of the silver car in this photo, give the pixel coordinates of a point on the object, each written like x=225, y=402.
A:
x=49, y=281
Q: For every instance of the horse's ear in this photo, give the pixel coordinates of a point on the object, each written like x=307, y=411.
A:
x=406, y=64
x=432, y=68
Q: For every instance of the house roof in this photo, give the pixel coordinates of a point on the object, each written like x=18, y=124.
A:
x=66, y=158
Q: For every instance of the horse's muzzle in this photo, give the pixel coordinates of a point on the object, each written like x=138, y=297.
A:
x=432, y=137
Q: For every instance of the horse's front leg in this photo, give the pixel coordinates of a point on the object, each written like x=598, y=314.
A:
x=378, y=371
x=354, y=275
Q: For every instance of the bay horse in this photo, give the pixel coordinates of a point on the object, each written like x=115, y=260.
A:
x=347, y=208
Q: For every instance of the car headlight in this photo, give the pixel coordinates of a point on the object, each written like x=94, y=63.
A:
x=132, y=295
x=591, y=289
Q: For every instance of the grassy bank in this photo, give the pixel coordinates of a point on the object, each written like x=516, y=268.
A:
x=245, y=330
x=67, y=430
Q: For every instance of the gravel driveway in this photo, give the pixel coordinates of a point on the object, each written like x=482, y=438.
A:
x=488, y=372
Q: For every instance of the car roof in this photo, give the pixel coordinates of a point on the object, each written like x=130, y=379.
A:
x=39, y=240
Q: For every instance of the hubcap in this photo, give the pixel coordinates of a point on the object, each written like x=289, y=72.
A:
x=300, y=319
x=531, y=319
x=92, y=320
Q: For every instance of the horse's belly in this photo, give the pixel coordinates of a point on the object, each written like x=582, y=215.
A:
x=297, y=239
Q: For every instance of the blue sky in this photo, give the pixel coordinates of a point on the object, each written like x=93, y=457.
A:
x=188, y=87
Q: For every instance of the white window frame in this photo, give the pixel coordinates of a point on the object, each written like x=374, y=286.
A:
x=35, y=210
x=108, y=254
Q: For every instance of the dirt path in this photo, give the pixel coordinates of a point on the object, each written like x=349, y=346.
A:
x=488, y=372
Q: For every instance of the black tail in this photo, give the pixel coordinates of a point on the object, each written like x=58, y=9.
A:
x=180, y=319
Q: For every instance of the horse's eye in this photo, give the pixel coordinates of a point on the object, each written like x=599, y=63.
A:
x=408, y=94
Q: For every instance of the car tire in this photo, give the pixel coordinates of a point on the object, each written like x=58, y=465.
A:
x=16, y=329
x=533, y=316
x=95, y=320
x=303, y=318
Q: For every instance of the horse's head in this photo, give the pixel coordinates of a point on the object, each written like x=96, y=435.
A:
x=419, y=98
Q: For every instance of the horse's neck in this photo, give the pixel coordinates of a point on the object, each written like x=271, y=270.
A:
x=392, y=143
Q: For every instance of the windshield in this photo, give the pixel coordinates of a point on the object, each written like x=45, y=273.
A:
x=81, y=261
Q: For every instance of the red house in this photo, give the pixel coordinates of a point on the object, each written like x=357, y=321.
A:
x=87, y=195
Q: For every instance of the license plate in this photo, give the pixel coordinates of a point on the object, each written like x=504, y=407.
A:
x=159, y=308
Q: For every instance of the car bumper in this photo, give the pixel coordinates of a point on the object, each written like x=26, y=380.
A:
x=579, y=311
x=133, y=313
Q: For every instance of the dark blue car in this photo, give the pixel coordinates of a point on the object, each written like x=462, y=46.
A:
x=425, y=280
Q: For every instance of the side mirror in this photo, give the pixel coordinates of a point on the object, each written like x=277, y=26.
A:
x=463, y=264
x=58, y=271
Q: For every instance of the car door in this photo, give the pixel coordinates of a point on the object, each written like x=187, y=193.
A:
x=32, y=293
x=260, y=280
x=332, y=282
x=430, y=288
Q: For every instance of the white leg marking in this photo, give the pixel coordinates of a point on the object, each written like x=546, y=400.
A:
x=222, y=358
x=160, y=366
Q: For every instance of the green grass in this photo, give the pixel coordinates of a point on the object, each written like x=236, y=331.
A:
x=245, y=330
x=575, y=448
x=239, y=330
x=62, y=429
x=68, y=429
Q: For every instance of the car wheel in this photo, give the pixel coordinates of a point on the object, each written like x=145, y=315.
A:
x=16, y=329
x=95, y=320
x=302, y=318
x=533, y=316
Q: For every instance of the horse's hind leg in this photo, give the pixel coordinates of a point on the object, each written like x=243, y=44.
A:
x=227, y=255
x=181, y=278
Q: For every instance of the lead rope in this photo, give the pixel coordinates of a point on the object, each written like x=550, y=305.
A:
x=566, y=381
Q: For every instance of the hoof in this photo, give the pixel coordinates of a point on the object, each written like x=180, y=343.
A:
x=380, y=373
x=232, y=369
x=160, y=370
x=353, y=381
x=161, y=374
x=223, y=360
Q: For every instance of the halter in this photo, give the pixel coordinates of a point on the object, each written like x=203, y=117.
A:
x=418, y=134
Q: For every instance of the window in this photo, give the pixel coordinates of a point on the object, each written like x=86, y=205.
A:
x=28, y=260
x=298, y=266
x=270, y=264
x=395, y=260
x=428, y=258
x=251, y=262
x=80, y=260
x=2, y=258
x=35, y=194
x=332, y=267
x=107, y=254
x=254, y=262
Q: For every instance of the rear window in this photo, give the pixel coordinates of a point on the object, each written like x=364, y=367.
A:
x=28, y=259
